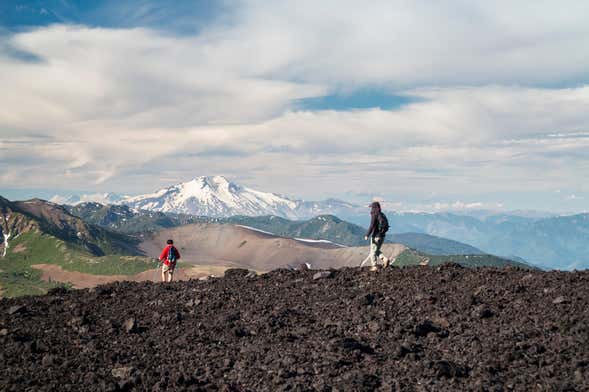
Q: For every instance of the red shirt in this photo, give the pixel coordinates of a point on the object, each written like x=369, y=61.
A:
x=164, y=255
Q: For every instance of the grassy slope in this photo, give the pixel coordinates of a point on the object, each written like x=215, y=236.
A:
x=412, y=257
x=17, y=277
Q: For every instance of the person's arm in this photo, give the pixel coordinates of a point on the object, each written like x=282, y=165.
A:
x=164, y=254
x=372, y=225
x=177, y=254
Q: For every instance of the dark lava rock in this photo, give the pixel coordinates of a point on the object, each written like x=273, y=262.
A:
x=58, y=291
x=442, y=322
x=130, y=325
x=193, y=302
x=353, y=344
x=47, y=360
x=103, y=290
x=17, y=309
x=322, y=275
x=560, y=300
x=408, y=346
x=368, y=299
x=236, y=273
x=482, y=312
x=281, y=331
x=122, y=372
x=358, y=381
x=302, y=267
x=425, y=327
x=449, y=369
x=449, y=266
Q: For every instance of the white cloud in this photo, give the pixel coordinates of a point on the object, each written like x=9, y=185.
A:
x=419, y=42
x=129, y=108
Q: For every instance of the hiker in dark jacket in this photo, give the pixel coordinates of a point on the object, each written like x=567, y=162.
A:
x=376, y=232
x=168, y=257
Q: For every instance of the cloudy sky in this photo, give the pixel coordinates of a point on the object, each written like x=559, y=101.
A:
x=471, y=104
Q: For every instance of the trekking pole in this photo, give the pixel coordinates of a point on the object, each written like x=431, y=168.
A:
x=157, y=270
x=363, y=262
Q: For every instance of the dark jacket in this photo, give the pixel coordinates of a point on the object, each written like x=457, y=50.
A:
x=373, y=228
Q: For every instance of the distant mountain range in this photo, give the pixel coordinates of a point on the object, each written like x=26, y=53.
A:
x=215, y=196
x=324, y=227
x=549, y=241
x=46, y=245
x=560, y=242
x=102, y=198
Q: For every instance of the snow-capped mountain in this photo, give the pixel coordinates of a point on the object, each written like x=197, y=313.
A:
x=214, y=196
x=102, y=198
x=311, y=209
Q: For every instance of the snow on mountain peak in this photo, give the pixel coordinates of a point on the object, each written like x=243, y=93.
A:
x=102, y=198
x=215, y=196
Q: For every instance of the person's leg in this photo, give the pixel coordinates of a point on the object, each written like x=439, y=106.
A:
x=379, y=254
x=373, y=254
x=166, y=275
x=377, y=244
x=385, y=260
x=170, y=274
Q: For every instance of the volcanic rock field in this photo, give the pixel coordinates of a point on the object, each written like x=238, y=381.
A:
x=409, y=329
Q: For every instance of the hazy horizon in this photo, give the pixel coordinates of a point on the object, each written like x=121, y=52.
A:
x=459, y=207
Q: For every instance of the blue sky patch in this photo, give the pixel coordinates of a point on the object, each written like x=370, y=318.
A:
x=358, y=99
x=179, y=16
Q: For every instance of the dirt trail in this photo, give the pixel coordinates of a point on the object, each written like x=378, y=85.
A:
x=80, y=280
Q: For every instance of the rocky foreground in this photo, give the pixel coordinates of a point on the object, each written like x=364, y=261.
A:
x=418, y=328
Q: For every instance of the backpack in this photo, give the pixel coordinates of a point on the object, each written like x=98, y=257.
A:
x=383, y=223
x=172, y=255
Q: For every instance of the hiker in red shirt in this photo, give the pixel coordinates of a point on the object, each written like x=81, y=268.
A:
x=169, y=256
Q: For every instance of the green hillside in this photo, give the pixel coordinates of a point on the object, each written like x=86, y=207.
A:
x=17, y=277
x=412, y=257
x=42, y=233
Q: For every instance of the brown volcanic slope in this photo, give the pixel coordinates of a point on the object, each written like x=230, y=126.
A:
x=410, y=329
x=214, y=244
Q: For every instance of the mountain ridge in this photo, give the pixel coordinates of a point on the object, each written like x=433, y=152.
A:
x=216, y=196
x=323, y=227
x=37, y=232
